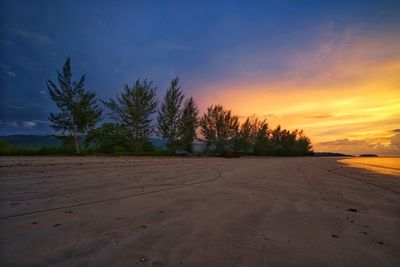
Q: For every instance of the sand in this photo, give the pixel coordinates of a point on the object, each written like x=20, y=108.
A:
x=127, y=211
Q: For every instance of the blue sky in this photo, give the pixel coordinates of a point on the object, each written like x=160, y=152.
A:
x=206, y=43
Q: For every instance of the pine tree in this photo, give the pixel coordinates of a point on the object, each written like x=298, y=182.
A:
x=188, y=124
x=78, y=108
x=169, y=114
x=133, y=109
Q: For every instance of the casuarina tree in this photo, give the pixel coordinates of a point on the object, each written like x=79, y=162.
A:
x=188, y=124
x=219, y=128
x=133, y=109
x=78, y=111
x=169, y=115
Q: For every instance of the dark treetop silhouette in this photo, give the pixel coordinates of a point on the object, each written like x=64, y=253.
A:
x=78, y=108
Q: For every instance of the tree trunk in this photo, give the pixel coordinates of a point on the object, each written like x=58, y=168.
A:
x=76, y=144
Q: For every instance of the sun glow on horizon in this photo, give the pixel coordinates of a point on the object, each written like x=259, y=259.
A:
x=350, y=103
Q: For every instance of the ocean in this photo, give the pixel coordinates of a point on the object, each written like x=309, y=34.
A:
x=385, y=165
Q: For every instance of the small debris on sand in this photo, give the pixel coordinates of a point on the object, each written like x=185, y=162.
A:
x=57, y=224
x=352, y=210
x=334, y=236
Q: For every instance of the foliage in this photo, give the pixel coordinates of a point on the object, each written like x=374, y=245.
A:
x=133, y=109
x=219, y=128
x=12, y=150
x=169, y=115
x=252, y=136
x=109, y=138
x=78, y=110
x=188, y=124
x=289, y=143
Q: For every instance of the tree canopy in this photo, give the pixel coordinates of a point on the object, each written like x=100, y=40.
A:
x=169, y=114
x=188, y=124
x=219, y=127
x=133, y=109
x=78, y=108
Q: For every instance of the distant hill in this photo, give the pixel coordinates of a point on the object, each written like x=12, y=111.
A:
x=32, y=141
x=330, y=154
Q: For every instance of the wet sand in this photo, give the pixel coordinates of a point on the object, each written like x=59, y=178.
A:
x=126, y=211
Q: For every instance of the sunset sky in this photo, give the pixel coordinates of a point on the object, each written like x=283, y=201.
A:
x=331, y=68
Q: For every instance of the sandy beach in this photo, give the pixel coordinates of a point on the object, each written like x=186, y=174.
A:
x=127, y=211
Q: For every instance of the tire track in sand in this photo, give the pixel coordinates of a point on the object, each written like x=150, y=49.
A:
x=217, y=176
x=361, y=180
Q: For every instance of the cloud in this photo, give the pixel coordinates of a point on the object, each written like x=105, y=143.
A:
x=42, y=121
x=320, y=116
x=380, y=146
x=29, y=124
x=395, y=140
x=33, y=38
x=7, y=70
x=396, y=130
x=16, y=107
x=344, y=142
x=12, y=74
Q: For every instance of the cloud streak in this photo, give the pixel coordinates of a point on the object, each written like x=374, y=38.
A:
x=33, y=38
x=29, y=124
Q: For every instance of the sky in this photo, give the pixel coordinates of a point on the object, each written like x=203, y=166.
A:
x=331, y=68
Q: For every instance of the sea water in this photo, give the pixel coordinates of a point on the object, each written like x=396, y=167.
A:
x=385, y=165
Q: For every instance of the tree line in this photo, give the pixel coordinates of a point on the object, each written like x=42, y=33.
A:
x=131, y=115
